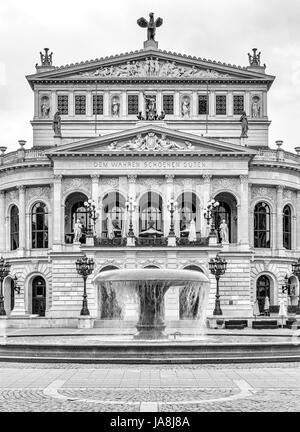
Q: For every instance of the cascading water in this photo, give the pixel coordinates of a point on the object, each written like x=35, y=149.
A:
x=151, y=285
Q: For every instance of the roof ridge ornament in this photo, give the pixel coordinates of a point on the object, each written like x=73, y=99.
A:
x=46, y=61
x=254, y=60
x=151, y=26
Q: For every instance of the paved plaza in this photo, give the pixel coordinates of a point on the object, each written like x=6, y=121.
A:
x=160, y=388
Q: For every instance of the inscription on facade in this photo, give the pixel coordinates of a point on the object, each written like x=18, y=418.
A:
x=151, y=164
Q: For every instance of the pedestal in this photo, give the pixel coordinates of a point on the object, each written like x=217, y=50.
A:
x=172, y=241
x=130, y=241
x=212, y=240
x=57, y=140
x=85, y=322
x=150, y=44
x=89, y=241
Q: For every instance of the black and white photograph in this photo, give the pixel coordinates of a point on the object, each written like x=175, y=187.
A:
x=149, y=209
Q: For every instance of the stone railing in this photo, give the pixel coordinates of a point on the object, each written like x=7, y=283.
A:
x=22, y=156
x=148, y=242
x=275, y=155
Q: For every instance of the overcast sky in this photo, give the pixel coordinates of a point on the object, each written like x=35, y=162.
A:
x=77, y=30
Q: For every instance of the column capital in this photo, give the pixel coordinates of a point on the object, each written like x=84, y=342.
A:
x=279, y=188
x=2, y=193
x=244, y=178
x=57, y=177
x=95, y=177
x=132, y=178
x=207, y=178
x=170, y=178
x=21, y=188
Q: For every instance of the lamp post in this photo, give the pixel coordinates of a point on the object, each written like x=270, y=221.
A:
x=286, y=286
x=217, y=267
x=85, y=267
x=90, y=206
x=4, y=271
x=130, y=206
x=172, y=205
x=296, y=272
x=17, y=287
x=209, y=215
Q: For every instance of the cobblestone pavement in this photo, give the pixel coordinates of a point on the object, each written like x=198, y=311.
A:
x=164, y=388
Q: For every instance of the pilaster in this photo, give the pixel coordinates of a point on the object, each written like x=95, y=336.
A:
x=298, y=221
x=279, y=213
x=132, y=194
x=243, y=211
x=22, y=218
x=57, y=210
x=206, y=195
x=95, y=198
x=169, y=194
x=2, y=222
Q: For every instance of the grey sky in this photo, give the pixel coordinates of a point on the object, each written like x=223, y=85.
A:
x=220, y=30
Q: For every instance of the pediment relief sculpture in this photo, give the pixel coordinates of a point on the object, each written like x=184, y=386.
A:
x=153, y=67
x=150, y=142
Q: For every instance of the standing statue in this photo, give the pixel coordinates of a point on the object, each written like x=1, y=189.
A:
x=245, y=126
x=115, y=107
x=56, y=125
x=150, y=102
x=255, y=107
x=185, y=107
x=224, y=232
x=45, y=108
x=78, y=227
x=151, y=25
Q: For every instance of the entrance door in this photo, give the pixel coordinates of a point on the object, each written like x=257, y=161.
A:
x=262, y=291
x=38, y=296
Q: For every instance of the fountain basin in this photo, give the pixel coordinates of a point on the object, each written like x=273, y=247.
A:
x=151, y=286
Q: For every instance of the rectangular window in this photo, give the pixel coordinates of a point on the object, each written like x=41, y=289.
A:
x=98, y=104
x=220, y=105
x=238, y=104
x=133, y=104
x=168, y=104
x=63, y=104
x=202, y=104
x=80, y=105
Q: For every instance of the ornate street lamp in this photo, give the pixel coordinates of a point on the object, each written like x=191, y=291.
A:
x=210, y=215
x=217, y=267
x=130, y=206
x=172, y=205
x=4, y=271
x=84, y=267
x=286, y=286
x=90, y=206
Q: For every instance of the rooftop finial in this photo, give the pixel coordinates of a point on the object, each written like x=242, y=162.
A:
x=151, y=26
x=46, y=59
x=254, y=60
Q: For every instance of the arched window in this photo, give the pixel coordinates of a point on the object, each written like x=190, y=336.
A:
x=113, y=215
x=74, y=209
x=262, y=223
x=287, y=227
x=39, y=226
x=14, y=228
x=188, y=208
x=151, y=212
x=39, y=296
x=262, y=291
x=227, y=210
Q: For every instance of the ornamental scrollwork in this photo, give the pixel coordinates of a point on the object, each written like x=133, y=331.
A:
x=38, y=192
x=77, y=184
x=228, y=184
x=263, y=192
x=12, y=196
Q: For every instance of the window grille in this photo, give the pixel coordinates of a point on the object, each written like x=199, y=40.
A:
x=202, y=104
x=80, y=105
x=221, y=105
x=133, y=104
x=168, y=104
x=63, y=104
x=238, y=104
x=98, y=104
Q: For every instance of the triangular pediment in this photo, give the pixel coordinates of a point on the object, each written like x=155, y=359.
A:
x=150, y=64
x=151, y=139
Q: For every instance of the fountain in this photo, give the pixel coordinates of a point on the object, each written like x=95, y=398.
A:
x=151, y=286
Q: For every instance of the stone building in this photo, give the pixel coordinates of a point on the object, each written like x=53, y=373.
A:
x=132, y=132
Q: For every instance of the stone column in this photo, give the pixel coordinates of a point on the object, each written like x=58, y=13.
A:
x=106, y=103
x=57, y=211
x=89, y=104
x=95, y=198
x=169, y=195
x=132, y=194
x=159, y=102
x=22, y=218
x=230, y=103
x=194, y=100
x=279, y=219
x=212, y=104
x=243, y=212
x=2, y=222
x=298, y=221
x=206, y=195
x=142, y=103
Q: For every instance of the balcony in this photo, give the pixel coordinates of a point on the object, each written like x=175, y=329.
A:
x=276, y=156
x=20, y=156
x=149, y=242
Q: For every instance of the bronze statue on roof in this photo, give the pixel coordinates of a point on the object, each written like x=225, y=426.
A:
x=151, y=25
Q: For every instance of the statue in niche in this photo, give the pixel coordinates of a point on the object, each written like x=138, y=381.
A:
x=245, y=127
x=56, y=125
x=115, y=107
x=224, y=232
x=255, y=107
x=45, y=107
x=150, y=102
x=185, y=107
x=78, y=228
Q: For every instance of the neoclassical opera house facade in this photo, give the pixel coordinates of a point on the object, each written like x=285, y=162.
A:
x=140, y=134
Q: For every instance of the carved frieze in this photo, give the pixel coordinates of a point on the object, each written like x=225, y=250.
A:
x=150, y=142
x=152, y=262
x=153, y=67
x=77, y=184
x=225, y=184
x=38, y=192
x=261, y=192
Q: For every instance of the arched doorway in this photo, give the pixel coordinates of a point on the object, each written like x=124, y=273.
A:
x=188, y=209
x=9, y=295
x=150, y=212
x=113, y=218
x=189, y=298
x=75, y=209
x=263, y=290
x=38, y=296
x=227, y=210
